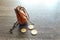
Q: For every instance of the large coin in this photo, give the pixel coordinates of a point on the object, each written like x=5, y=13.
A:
x=23, y=30
x=34, y=32
x=30, y=27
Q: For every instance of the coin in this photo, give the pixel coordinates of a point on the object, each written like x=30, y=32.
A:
x=30, y=27
x=23, y=30
x=34, y=32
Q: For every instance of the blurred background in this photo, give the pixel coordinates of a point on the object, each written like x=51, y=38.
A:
x=44, y=13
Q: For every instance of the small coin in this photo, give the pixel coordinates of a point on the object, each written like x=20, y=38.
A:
x=34, y=32
x=31, y=27
x=23, y=30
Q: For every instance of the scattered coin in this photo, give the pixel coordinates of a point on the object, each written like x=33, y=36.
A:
x=23, y=30
x=34, y=32
x=30, y=27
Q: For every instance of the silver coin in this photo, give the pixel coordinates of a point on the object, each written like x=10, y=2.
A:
x=34, y=32
x=30, y=27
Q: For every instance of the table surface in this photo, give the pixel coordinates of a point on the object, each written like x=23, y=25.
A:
x=45, y=15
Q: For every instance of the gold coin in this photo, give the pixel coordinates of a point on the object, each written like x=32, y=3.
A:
x=31, y=27
x=34, y=32
x=23, y=30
